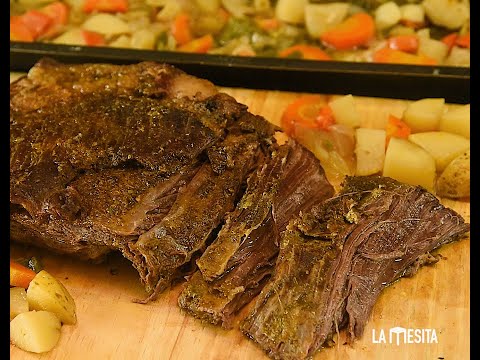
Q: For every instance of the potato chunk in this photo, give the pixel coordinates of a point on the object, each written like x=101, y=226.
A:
x=45, y=292
x=409, y=163
x=454, y=182
x=370, y=150
x=345, y=111
x=443, y=146
x=424, y=115
x=18, y=301
x=35, y=331
x=457, y=121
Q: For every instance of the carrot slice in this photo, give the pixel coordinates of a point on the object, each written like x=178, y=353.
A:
x=303, y=112
x=407, y=43
x=58, y=13
x=305, y=52
x=181, y=29
x=396, y=128
x=268, y=24
x=391, y=56
x=463, y=40
x=36, y=21
x=354, y=31
x=200, y=45
x=19, y=31
x=325, y=118
x=111, y=6
x=92, y=38
x=450, y=40
x=20, y=275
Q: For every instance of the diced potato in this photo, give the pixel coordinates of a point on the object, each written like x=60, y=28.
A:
x=45, y=292
x=451, y=14
x=143, y=39
x=208, y=6
x=458, y=57
x=322, y=17
x=456, y=121
x=454, y=182
x=424, y=33
x=71, y=37
x=18, y=301
x=413, y=12
x=35, y=331
x=123, y=41
x=370, y=150
x=424, y=115
x=401, y=30
x=432, y=48
x=443, y=146
x=106, y=24
x=345, y=111
x=169, y=11
x=409, y=163
x=291, y=11
x=387, y=15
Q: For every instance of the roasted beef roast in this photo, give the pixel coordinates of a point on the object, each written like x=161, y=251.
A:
x=182, y=180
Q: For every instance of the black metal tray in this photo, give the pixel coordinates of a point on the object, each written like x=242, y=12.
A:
x=327, y=77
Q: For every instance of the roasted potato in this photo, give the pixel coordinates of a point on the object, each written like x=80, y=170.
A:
x=345, y=112
x=45, y=292
x=18, y=301
x=409, y=163
x=369, y=150
x=443, y=146
x=35, y=331
x=457, y=121
x=454, y=182
x=424, y=115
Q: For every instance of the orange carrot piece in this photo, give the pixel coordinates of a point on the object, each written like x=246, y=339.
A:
x=396, y=128
x=37, y=22
x=412, y=24
x=450, y=40
x=356, y=30
x=407, y=43
x=19, y=31
x=391, y=56
x=302, y=112
x=59, y=13
x=110, y=6
x=20, y=275
x=463, y=40
x=305, y=52
x=181, y=28
x=269, y=24
x=199, y=45
x=93, y=38
x=325, y=118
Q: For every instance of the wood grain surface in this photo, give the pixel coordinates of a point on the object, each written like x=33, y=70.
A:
x=111, y=326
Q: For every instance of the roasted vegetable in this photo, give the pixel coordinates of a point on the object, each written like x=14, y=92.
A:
x=454, y=182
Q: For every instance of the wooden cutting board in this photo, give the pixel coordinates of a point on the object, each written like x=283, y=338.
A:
x=111, y=326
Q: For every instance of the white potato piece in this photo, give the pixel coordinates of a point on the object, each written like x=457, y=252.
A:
x=413, y=12
x=45, y=292
x=409, y=163
x=35, y=331
x=432, y=48
x=451, y=14
x=424, y=114
x=387, y=15
x=454, y=182
x=291, y=11
x=18, y=301
x=369, y=150
x=208, y=6
x=143, y=39
x=456, y=121
x=443, y=146
x=458, y=57
x=322, y=17
x=106, y=24
x=73, y=36
x=345, y=112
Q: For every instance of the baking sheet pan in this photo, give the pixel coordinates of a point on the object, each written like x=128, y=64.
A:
x=329, y=77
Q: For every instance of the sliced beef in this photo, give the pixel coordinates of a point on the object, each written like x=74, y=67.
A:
x=110, y=157
x=236, y=266
x=335, y=260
